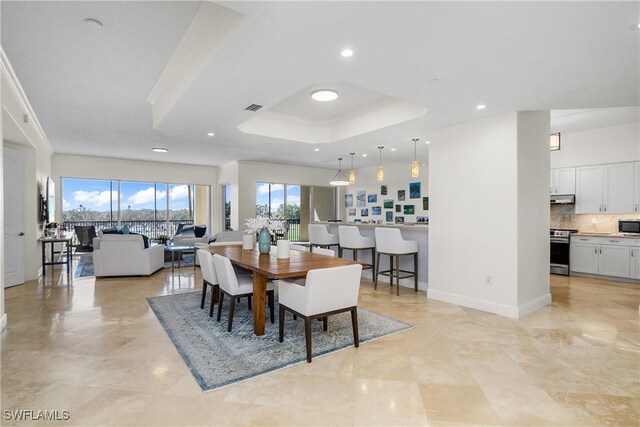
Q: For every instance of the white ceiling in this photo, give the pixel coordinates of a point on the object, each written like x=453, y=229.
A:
x=89, y=88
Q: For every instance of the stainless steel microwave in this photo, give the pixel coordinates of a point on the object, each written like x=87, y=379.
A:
x=629, y=226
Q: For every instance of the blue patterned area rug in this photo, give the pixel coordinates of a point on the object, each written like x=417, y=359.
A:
x=217, y=358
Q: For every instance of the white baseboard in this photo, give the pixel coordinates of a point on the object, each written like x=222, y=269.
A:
x=405, y=283
x=3, y=322
x=491, y=307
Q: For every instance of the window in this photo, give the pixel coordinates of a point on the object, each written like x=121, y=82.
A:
x=226, y=191
x=282, y=200
x=89, y=200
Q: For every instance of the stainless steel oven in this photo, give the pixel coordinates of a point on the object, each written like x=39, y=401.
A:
x=560, y=250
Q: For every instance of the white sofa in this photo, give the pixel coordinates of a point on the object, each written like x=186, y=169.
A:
x=125, y=255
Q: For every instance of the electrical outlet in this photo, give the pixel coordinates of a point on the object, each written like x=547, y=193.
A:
x=488, y=279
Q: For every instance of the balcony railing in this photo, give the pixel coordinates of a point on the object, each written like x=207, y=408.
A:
x=152, y=229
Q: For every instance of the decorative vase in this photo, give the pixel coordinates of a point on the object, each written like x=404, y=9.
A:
x=264, y=241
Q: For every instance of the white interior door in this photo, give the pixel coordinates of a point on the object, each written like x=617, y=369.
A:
x=13, y=167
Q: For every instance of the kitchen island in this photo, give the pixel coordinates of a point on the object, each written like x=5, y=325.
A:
x=417, y=232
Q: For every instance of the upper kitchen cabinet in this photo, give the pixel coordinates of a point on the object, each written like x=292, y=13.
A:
x=563, y=181
x=636, y=187
x=605, y=188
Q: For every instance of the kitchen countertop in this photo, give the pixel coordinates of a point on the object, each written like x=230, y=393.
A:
x=596, y=234
x=416, y=226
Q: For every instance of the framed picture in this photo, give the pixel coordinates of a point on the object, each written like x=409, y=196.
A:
x=352, y=212
x=425, y=203
x=376, y=210
x=399, y=220
x=399, y=208
x=388, y=204
x=401, y=195
x=389, y=216
x=414, y=190
x=383, y=190
x=348, y=200
x=357, y=220
x=361, y=198
x=364, y=212
x=422, y=219
x=372, y=198
x=409, y=210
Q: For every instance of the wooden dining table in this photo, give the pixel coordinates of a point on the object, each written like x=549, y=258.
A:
x=267, y=266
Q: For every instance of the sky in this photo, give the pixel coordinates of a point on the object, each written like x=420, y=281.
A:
x=95, y=195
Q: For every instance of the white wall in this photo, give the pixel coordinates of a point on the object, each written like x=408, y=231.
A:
x=610, y=144
x=475, y=219
x=396, y=177
x=69, y=166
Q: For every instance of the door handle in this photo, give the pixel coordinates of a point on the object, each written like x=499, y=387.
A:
x=596, y=250
x=605, y=208
x=21, y=234
x=600, y=208
x=601, y=250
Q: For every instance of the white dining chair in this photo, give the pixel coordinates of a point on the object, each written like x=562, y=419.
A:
x=351, y=239
x=209, y=279
x=389, y=242
x=319, y=236
x=236, y=287
x=323, y=251
x=299, y=248
x=328, y=291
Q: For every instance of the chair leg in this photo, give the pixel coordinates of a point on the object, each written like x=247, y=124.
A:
x=390, y=270
x=214, y=292
x=415, y=271
x=398, y=276
x=281, y=323
x=325, y=323
x=204, y=294
x=307, y=337
x=377, y=271
x=354, y=324
x=295, y=317
x=373, y=259
x=355, y=255
x=271, y=298
x=220, y=305
x=249, y=302
x=340, y=252
x=232, y=307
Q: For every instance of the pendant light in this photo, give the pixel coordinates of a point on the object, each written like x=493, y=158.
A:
x=380, y=173
x=339, y=180
x=415, y=166
x=352, y=172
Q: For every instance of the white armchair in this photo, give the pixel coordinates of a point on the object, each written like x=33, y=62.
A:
x=125, y=255
x=188, y=238
x=327, y=291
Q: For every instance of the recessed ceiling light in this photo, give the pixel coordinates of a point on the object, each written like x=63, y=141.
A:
x=159, y=150
x=211, y=134
x=481, y=107
x=324, y=95
x=364, y=155
x=346, y=53
x=316, y=149
x=393, y=149
x=93, y=23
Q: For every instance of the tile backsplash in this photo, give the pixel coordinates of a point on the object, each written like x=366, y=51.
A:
x=564, y=216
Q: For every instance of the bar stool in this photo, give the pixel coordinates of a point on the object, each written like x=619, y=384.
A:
x=350, y=238
x=319, y=236
x=389, y=241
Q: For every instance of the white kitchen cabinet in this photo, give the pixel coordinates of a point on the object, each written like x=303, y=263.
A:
x=584, y=258
x=634, y=263
x=636, y=187
x=589, y=185
x=563, y=181
x=618, y=188
x=613, y=261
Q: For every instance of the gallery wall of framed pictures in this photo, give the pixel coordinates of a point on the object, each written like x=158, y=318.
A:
x=406, y=203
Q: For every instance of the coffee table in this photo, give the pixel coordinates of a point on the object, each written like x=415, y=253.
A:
x=175, y=249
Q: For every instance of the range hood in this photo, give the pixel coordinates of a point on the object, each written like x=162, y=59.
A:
x=563, y=199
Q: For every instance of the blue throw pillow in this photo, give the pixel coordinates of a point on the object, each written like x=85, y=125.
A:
x=111, y=230
x=200, y=231
x=124, y=230
x=145, y=239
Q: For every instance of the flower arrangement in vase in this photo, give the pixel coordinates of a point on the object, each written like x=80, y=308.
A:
x=265, y=227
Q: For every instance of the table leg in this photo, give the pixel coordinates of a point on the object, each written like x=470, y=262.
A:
x=259, y=301
x=172, y=260
x=68, y=257
x=44, y=260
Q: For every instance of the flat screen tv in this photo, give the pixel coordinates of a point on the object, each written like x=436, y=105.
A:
x=51, y=200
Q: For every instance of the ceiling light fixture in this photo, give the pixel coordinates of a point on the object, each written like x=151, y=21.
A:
x=481, y=107
x=364, y=155
x=316, y=149
x=339, y=180
x=159, y=150
x=352, y=172
x=211, y=134
x=346, y=53
x=393, y=149
x=380, y=171
x=415, y=166
x=93, y=23
x=324, y=95
x=426, y=142
x=554, y=142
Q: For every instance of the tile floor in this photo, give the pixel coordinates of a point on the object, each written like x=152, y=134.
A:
x=96, y=350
